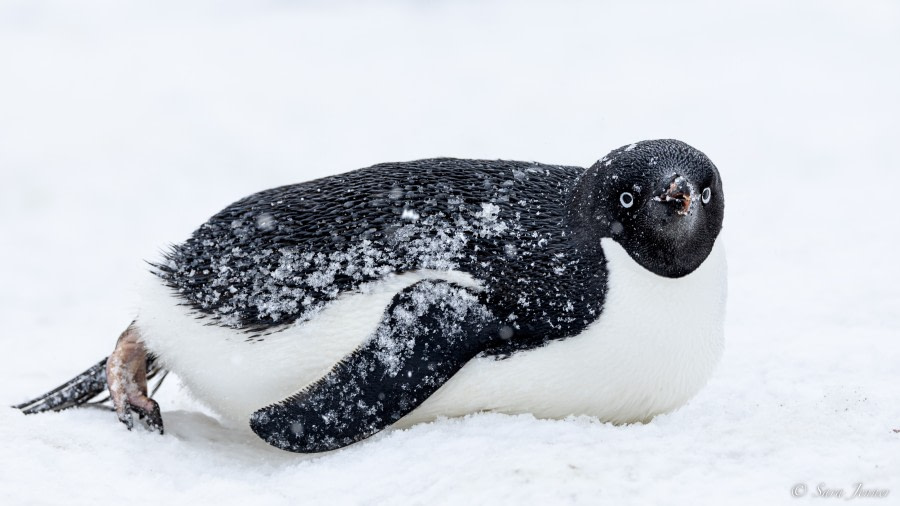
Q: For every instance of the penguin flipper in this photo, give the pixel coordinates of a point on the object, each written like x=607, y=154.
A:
x=428, y=333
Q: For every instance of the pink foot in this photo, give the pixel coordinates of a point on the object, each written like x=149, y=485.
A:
x=126, y=374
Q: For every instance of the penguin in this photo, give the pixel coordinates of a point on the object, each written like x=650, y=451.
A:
x=323, y=312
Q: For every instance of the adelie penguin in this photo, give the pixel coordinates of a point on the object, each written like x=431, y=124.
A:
x=323, y=312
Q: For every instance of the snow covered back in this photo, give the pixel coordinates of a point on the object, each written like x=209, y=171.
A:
x=332, y=235
x=125, y=125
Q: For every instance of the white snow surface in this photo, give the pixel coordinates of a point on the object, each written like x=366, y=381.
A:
x=124, y=125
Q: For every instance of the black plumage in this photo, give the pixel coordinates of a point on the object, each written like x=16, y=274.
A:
x=278, y=256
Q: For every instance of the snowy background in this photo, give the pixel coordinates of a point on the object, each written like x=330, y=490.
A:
x=124, y=125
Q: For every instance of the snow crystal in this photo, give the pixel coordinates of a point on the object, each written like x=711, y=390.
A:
x=396, y=193
x=409, y=214
x=491, y=226
x=265, y=221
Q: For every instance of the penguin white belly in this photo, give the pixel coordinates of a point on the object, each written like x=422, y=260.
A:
x=654, y=346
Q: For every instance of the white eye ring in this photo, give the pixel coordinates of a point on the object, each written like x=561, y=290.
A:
x=706, y=195
x=626, y=199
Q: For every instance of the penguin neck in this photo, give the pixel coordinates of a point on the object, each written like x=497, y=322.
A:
x=586, y=278
x=586, y=224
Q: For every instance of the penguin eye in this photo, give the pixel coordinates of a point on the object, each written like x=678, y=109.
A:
x=706, y=195
x=626, y=199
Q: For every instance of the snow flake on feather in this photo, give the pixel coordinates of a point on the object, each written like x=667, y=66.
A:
x=283, y=282
x=456, y=305
x=280, y=256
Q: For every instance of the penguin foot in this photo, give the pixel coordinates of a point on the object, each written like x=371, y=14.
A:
x=126, y=374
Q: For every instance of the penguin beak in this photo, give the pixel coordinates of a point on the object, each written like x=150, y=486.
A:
x=678, y=194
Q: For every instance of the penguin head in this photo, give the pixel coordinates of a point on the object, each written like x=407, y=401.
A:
x=661, y=200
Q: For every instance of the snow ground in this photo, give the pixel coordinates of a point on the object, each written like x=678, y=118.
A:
x=124, y=125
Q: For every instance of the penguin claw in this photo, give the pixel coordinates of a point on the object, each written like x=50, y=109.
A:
x=127, y=419
x=151, y=415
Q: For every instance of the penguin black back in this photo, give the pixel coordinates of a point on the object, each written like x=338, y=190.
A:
x=278, y=256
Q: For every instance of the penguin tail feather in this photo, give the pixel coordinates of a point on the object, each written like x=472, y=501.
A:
x=86, y=389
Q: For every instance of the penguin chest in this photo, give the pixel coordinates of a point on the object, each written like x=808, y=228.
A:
x=654, y=346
